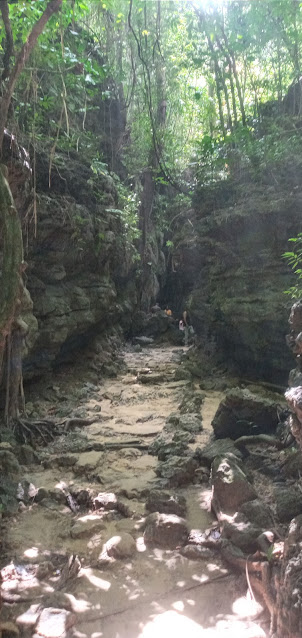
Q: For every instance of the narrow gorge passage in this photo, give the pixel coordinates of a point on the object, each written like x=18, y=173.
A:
x=141, y=591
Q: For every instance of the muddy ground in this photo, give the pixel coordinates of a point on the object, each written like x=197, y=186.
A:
x=152, y=593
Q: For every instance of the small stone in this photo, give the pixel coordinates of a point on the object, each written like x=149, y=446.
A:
x=54, y=623
x=195, y=552
x=166, y=503
x=87, y=526
x=67, y=460
x=165, y=530
x=106, y=500
x=121, y=546
x=241, y=533
x=44, y=569
x=177, y=470
x=41, y=494
x=207, y=454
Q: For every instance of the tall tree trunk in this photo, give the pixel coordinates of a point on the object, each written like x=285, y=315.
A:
x=9, y=45
x=11, y=284
x=218, y=91
x=232, y=64
x=52, y=7
x=229, y=61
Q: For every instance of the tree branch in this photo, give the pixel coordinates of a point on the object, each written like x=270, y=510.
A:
x=147, y=82
x=9, y=48
x=52, y=7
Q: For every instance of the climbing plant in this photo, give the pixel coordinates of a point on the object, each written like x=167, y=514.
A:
x=294, y=260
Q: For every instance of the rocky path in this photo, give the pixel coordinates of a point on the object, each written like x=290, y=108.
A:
x=82, y=559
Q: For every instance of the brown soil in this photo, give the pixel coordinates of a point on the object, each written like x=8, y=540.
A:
x=158, y=592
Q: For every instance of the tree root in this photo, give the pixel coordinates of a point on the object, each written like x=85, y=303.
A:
x=31, y=431
x=259, y=438
x=240, y=561
x=75, y=422
x=258, y=574
x=44, y=430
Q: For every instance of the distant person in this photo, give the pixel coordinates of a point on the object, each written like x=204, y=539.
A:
x=187, y=325
x=181, y=325
x=168, y=312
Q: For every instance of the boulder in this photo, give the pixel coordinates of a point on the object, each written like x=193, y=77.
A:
x=177, y=470
x=10, y=473
x=151, y=378
x=191, y=402
x=289, y=610
x=42, y=493
x=27, y=455
x=87, y=526
x=109, y=501
x=54, y=623
x=231, y=487
x=157, y=444
x=183, y=436
x=258, y=513
x=288, y=503
x=243, y=413
x=171, y=448
x=105, y=500
x=9, y=465
x=121, y=546
x=242, y=533
x=165, y=530
x=189, y=422
x=182, y=374
x=166, y=503
x=207, y=454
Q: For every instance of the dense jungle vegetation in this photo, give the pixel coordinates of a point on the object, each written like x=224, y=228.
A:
x=163, y=98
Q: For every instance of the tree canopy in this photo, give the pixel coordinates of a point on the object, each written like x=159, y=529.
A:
x=207, y=69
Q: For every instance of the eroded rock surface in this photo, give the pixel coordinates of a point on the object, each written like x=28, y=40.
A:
x=85, y=546
x=243, y=413
x=231, y=487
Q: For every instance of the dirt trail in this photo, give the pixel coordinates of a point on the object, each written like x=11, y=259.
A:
x=156, y=592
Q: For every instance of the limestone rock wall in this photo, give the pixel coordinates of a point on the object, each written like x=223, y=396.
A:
x=230, y=271
x=78, y=264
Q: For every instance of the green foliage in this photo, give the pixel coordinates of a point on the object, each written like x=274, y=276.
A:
x=214, y=66
x=294, y=260
x=128, y=215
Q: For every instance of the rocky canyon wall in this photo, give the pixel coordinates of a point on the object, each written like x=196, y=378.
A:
x=78, y=265
x=230, y=271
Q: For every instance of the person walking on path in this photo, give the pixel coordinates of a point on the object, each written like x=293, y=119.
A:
x=186, y=323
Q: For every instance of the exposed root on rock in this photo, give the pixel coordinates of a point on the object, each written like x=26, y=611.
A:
x=43, y=431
